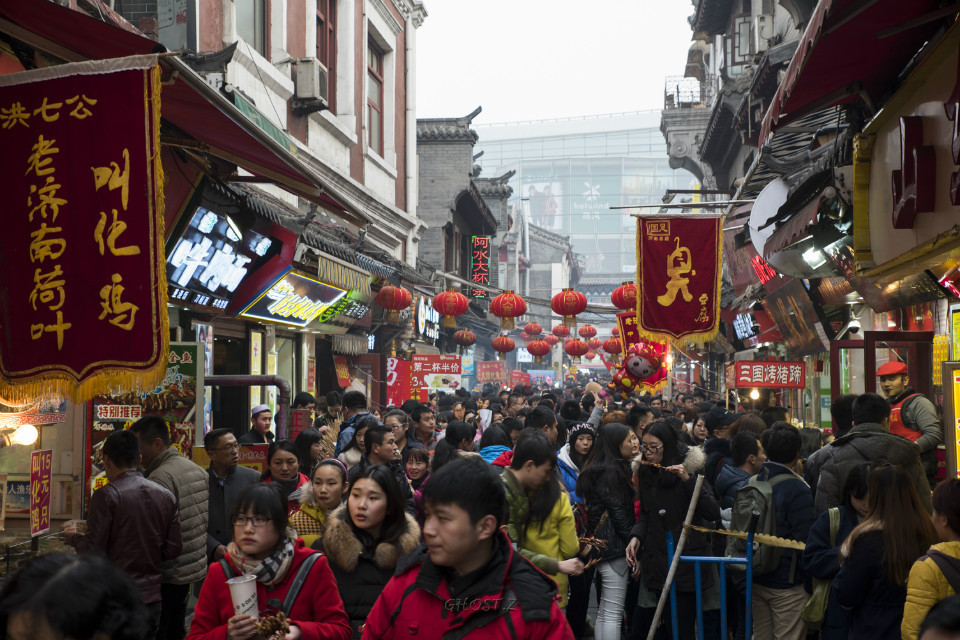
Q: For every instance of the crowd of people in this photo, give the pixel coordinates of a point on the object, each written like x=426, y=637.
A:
x=507, y=514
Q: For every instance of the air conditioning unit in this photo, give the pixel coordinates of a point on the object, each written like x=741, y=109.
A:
x=311, y=80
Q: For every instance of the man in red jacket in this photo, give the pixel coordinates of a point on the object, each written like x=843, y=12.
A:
x=467, y=581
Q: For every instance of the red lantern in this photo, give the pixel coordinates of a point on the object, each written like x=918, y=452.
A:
x=561, y=331
x=502, y=345
x=394, y=300
x=568, y=303
x=525, y=336
x=538, y=349
x=587, y=332
x=590, y=355
x=533, y=329
x=465, y=338
x=616, y=332
x=612, y=346
x=575, y=347
x=625, y=296
x=551, y=340
x=595, y=343
x=450, y=304
x=508, y=306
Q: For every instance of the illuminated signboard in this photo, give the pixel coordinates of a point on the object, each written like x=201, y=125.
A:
x=296, y=300
x=211, y=258
x=479, y=264
x=764, y=272
x=743, y=326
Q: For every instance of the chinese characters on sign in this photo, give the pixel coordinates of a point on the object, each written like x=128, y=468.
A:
x=432, y=373
x=770, y=375
x=82, y=179
x=479, y=264
x=41, y=472
x=494, y=371
x=343, y=371
x=519, y=377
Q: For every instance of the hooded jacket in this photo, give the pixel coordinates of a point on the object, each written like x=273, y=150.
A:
x=429, y=601
x=795, y=516
x=569, y=472
x=717, y=451
x=491, y=453
x=730, y=479
x=927, y=586
x=662, y=490
x=362, y=572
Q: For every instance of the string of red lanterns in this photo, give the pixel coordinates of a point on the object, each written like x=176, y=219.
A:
x=625, y=296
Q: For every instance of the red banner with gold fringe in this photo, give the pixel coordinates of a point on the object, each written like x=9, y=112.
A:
x=678, y=277
x=83, y=292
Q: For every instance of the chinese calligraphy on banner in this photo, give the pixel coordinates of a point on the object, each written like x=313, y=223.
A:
x=494, y=371
x=479, y=264
x=41, y=472
x=85, y=295
x=678, y=278
x=770, y=375
x=398, y=381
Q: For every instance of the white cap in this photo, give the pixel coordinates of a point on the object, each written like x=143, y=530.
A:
x=260, y=408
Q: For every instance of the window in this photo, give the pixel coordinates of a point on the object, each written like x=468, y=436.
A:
x=327, y=46
x=375, y=98
x=252, y=23
x=738, y=46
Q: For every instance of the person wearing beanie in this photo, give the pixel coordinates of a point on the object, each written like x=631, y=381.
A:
x=260, y=419
x=571, y=456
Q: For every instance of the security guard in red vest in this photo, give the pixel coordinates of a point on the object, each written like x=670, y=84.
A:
x=912, y=415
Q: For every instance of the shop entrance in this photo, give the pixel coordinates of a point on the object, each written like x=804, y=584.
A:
x=230, y=405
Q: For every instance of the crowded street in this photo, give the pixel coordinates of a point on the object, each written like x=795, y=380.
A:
x=382, y=319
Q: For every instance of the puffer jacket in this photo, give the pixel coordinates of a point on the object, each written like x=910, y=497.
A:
x=731, y=478
x=569, y=472
x=362, y=572
x=718, y=455
x=868, y=442
x=310, y=519
x=927, y=586
x=544, y=545
x=618, y=505
x=188, y=482
x=663, y=490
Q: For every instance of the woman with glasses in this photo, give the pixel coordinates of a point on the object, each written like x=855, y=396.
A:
x=667, y=474
x=265, y=547
x=606, y=487
x=283, y=468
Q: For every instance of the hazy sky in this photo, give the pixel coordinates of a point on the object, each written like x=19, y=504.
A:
x=533, y=59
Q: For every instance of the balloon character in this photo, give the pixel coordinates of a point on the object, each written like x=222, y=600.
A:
x=639, y=363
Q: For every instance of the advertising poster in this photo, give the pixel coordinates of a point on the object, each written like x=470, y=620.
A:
x=256, y=364
x=494, y=371
x=17, y=498
x=466, y=362
x=398, y=381
x=343, y=371
x=3, y=501
x=542, y=376
x=205, y=338
x=41, y=472
x=519, y=377
x=435, y=374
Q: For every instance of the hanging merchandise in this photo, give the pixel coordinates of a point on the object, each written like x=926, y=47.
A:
x=533, y=329
x=644, y=368
x=678, y=271
x=508, y=306
x=450, y=304
x=568, y=303
x=394, y=300
x=625, y=296
x=503, y=345
x=539, y=348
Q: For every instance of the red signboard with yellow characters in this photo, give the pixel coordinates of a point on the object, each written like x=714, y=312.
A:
x=678, y=277
x=85, y=292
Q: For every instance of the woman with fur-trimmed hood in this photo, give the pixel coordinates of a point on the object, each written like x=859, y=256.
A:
x=365, y=538
x=667, y=475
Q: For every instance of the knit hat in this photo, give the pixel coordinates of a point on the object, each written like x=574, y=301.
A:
x=579, y=429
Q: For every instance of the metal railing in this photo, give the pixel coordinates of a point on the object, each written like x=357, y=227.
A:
x=681, y=92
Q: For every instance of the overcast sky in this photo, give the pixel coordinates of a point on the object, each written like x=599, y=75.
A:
x=534, y=59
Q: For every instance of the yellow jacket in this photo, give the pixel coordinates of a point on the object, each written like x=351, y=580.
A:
x=926, y=586
x=557, y=538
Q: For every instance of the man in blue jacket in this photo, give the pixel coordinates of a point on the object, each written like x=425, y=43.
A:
x=778, y=596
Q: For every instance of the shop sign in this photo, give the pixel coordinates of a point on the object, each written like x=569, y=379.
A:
x=494, y=371
x=432, y=373
x=312, y=375
x=519, y=377
x=542, y=376
x=743, y=326
x=294, y=300
x=428, y=320
x=398, y=381
x=480, y=264
x=256, y=364
x=47, y=412
x=730, y=376
x=343, y=371
x=793, y=312
x=41, y=473
x=523, y=355
x=770, y=375
x=466, y=361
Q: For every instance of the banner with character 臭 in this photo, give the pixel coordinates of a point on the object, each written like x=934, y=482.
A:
x=82, y=184
x=678, y=277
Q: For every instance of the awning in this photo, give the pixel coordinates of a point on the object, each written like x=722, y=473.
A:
x=795, y=228
x=851, y=50
x=188, y=102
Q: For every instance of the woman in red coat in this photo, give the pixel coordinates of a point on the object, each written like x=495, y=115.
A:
x=264, y=546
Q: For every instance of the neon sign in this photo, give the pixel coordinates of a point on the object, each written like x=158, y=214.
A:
x=479, y=264
x=295, y=300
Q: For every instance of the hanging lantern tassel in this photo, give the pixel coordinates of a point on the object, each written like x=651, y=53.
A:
x=450, y=304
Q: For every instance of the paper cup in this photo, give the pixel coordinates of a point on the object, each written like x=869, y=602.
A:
x=243, y=591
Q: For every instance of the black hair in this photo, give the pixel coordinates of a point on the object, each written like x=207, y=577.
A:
x=946, y=502
x=366, y=423
x=534, y=445
x=512, y=424
x=570, y=410
x=212, y=438
x=409, y=405
x=303, y=443
x=870, y=407
x=635, y=416
x=605, y=470
x=418, y=454
x=781, y=442
x=400, y=415
x=841, y=410
x=513, y=398
x=494, y=436
x=774, y=414
x=855, y=484
x=943, y=616
x=151, y=428
x=540, y=417
x=446, y=402
x=811, y=439
x=395, y=520
x=744, y=445
x=302, y=399
x=82, y=597
x=263, y=499
x=587, y=402
x=445, y=417
x=354, y=400
x=417, y=413
x=530, y=447
x=374, y=436
x=330, y=462
x=449, y=446
x=275, y=446
x=673, y=451
x=123, y=449
x=470, y=484
x=333, y=398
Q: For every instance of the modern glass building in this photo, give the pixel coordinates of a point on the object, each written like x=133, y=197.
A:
x=570, y=172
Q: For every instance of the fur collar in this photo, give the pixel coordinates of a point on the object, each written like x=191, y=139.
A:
x=693, y=461
x=342, y=547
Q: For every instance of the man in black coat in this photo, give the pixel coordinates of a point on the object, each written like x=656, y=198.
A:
x=381, y=447
x=227, y=480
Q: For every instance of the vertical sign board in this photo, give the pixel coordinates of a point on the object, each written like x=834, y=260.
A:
x=343, y=371
x=41, y=470
x=256, y=363
x=479, y=264
x=398, y=381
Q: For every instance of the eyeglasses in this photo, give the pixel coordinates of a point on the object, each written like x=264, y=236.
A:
x=230, y=447
x=651, y=448
x=257, y=521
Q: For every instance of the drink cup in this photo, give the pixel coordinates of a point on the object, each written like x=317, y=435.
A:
x=243, y=591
